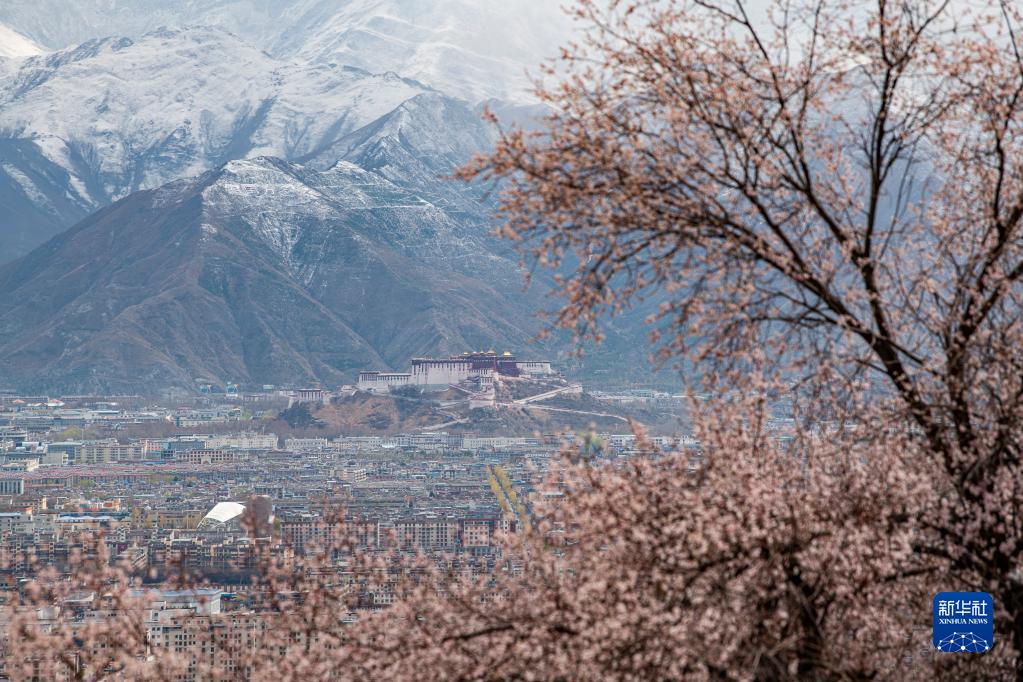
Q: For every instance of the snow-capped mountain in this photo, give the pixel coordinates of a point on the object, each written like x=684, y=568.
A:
x=100, y=117
x=256, y=190
x=200, y=91
x=82, y=127
x=418, y=144
x=472, y=49
x=258, y=271
x=14, y=44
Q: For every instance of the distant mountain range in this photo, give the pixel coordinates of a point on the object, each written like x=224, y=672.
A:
x=470, y=49
x=85, y=126
x=259, y=271
x=262, y=196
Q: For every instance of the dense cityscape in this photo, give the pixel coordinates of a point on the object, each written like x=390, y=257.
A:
x=77, y=470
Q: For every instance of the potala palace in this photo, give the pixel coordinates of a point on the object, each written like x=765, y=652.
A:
x=478, y=369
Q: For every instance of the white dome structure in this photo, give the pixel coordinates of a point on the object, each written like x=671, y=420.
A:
x=224, y=515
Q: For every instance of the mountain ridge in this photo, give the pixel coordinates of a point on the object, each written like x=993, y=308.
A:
x=112, y=116
x=472, y=49
x=201, y=278
x=242, y=203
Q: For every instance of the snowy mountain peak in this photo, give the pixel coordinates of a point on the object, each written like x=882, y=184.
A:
x=160, y=91
x=95, y=122
x=14, y=44
x=471, y=49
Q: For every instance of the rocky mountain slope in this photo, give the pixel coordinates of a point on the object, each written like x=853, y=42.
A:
x=259, y=271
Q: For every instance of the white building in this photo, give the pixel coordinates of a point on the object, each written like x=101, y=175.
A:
x=438, y=373
x=223, y=515
x=305, y=443
x=535, y=369
x=243, y=441
x=496, y=442
x=382, y=382
x=104, y=452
